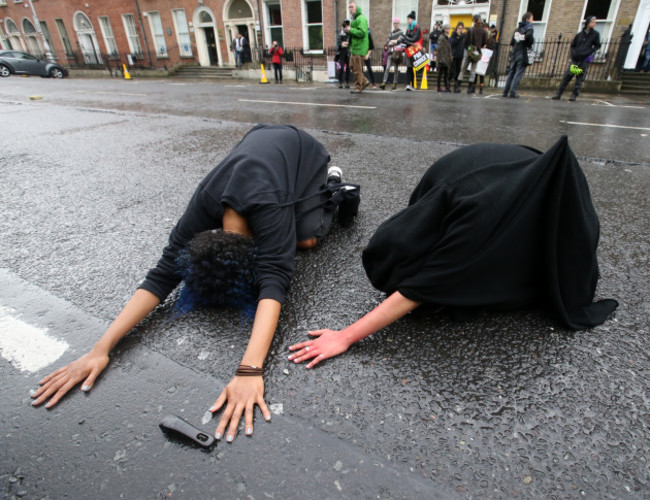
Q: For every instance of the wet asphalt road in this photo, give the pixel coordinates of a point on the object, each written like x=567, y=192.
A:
x=503, y=405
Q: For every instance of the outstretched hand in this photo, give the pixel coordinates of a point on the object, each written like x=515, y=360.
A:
x=242, y=394
x=329, y=343
x=53, y=387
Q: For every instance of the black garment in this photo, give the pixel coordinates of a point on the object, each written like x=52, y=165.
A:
x=584, y=44
x=476, y=36
x=496, y=225
x=266, y=179
x=457, y=45
x=277, y=71
x=522, y=40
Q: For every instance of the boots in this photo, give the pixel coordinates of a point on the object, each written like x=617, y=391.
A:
x=394, y=87
x=457, y=87
x=573, y=97
x=470, y=88
x=480, y=89
x=439, y=89
x=382, y=86
x=447, y=89
x=558, y=94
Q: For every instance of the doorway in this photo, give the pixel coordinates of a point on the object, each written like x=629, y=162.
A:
x=211, y=43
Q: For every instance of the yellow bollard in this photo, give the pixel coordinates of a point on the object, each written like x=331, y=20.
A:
x=127, y=75
x=263, y=80
x=415, y=79
x=424, y=85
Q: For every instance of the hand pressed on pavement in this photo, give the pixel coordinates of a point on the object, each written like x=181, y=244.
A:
x=242, y=394
x=58, y=383
x=329, y=343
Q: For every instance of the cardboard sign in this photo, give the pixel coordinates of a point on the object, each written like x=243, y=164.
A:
x=419, y=58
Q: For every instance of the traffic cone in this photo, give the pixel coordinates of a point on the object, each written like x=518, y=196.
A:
x=415, y=79
x=263, y=80
x=127, y=75
x=423, y=84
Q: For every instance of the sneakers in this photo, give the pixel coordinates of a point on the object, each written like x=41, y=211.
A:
x=573, y=97
x=557, y=97
x=334, y=175
x=382, y=86
x=409, y=88
x=374, y=85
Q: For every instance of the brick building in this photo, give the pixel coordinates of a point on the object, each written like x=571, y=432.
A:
x=164, y=33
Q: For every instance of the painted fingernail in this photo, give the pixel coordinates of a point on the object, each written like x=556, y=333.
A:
x=217, y=436
x=229, y=438
x=32, y=392
x=211, y=408
x=249, y=431
x=34, y=403
x=85, y=387
x=47, y=405
x=267, y=418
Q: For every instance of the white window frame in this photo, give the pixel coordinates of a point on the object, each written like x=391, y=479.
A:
x=182, y=30
x=267, y=21
x=157, y=34
x=305, y=31
x=15, y=37
x=109, y=37
x=3, y=2
x=132, y=37
x=539, y=25
x=47, y=34
x=401, y=9
x=603, y=26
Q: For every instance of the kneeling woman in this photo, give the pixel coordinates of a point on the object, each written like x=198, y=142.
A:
x=489, y=225
x=234, y=246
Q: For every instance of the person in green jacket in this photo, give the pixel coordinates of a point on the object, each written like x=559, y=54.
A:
x=358, y=47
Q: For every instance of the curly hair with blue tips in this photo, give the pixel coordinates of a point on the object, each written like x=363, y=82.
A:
x=218, y=270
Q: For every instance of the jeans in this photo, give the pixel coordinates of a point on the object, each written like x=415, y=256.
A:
x=390, y=64
x=517, y=70
x=277, y=69
x=238, y=59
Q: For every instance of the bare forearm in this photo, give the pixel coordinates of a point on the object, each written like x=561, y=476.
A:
x=389, y=311
x=135, y=310
x=266, y=321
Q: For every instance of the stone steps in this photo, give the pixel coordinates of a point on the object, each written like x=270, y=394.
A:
x=635, y=83
x=212, y=72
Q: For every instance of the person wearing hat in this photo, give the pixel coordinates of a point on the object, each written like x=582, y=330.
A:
x=583, y=47
x=444, y=59
x=412, y=36
x=474, y=41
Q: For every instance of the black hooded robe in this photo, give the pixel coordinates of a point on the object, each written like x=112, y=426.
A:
x=496, y=225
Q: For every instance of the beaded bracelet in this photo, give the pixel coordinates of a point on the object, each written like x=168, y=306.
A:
x=249, y=371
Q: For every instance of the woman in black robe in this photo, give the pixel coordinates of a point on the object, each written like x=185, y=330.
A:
x=489, y=225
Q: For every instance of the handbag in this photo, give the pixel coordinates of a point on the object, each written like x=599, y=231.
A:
x=530, y=56
x=473, y=54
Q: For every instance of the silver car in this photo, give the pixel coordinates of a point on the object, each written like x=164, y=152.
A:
x=14, y=62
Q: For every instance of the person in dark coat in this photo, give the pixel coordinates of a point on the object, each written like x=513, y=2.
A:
x=413, y=36
x=583, y=47
x=342, y=56
x=493, y=226
x=457, y=43
x=444, y=59
x=476, y=39
x=234, y=246
x=522, y=40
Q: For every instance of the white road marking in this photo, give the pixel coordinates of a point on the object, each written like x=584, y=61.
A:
x=310, y=104
x=26, y=347
x=604, y=125
x=599, y=103
x=112, y=93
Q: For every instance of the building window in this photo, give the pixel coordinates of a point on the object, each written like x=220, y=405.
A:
x=87, y=39
x=158, y=34
x=313, y=16
x=48, y=38
x=239, y=9
x=540, y=10
x=605, y=12
x=109, y=37
x=402, y=8
x=274, y=22
x=13, y=35
x=365, y=9
x=182, y=33
x=65, y=40
x=132, y=35
x=3, y=2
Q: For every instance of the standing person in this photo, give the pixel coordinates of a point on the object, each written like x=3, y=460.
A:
x=367, y=60
x=646, y=62
x=358, y=47
x=522, y=40
x=457, y=42
x=394, y=55
x=234, y=246
x=444, y=58
x=238, y=48
x=276, y=53
x=481, y=232
x=342, y=56
x=583, y=47
x=433, y=40
x=413, y=36
x=475, y=40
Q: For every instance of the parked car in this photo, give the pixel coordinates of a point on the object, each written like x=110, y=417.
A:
x=14, y=62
